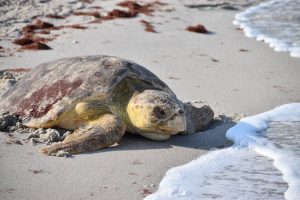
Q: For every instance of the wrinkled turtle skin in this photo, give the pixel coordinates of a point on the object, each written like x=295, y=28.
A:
x=100, y=97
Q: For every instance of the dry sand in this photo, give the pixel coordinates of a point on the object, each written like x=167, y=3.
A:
x=224, y=69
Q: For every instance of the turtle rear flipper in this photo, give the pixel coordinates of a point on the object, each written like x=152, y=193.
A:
x=102, y=132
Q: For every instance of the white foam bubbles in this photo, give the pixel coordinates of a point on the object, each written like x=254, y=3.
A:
x=222, y=174
x=240, y=172
x=284, y=160
x=275, y=22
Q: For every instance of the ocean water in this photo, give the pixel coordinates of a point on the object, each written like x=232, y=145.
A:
x=263, y=163
x=276, y=22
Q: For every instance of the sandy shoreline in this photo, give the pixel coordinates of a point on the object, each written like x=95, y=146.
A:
x=225, y=70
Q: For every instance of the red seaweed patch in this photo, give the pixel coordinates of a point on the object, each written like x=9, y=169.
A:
x=197, y=29
x=36, y=25
x=29, y=39
x=94, y=14
x=134, y=7
x=54, y=16
x=23, y=41
x=35, y=46
x=42, y=100
x=42, y=25
x=76, y=26
x=148, y=26
x=116, y=13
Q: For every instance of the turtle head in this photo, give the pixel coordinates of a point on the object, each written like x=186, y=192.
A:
x=157, y=112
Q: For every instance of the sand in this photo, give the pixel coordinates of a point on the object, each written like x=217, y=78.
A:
x=224, y=69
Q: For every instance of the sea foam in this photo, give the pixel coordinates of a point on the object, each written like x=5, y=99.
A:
x=263, y=163
x=276, y=22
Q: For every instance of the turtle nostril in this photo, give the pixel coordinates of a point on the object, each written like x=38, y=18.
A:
x=181, y=111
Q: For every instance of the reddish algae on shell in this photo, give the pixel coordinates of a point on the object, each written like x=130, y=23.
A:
x=49, y=94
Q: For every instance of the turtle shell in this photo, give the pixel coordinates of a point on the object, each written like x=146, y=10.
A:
x=55, y=84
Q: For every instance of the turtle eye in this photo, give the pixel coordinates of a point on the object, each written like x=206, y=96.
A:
x=159, y=113
x=181, y=111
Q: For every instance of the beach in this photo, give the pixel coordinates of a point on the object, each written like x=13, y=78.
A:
x=235, y=75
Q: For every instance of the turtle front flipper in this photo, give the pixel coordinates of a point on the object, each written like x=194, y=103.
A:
x=99, y=133
x=198, y=119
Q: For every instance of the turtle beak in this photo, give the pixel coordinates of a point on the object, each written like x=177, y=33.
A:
x=176, y=124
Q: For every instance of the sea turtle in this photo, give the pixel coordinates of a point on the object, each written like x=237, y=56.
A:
x=100, y=97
